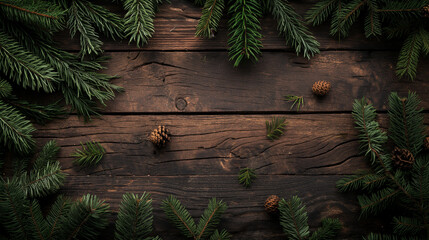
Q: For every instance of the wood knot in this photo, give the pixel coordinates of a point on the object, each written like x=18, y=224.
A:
x=181, y=104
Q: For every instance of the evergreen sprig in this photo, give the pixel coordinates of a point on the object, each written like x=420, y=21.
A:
x=209, y=220
x=388, y=186
x=294, y=221
x=5, y=89
x=296, y=100
x=244, y=31
x=275, y=128
x=210, y=18
x=90, y=155
x=246, y=176
x=395, y=19
x=135, y=217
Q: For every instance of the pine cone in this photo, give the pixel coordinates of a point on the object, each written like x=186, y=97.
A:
x=272, y=204
x=402, y=158
x=321, y=88
x=160, y=136
x=427, y=143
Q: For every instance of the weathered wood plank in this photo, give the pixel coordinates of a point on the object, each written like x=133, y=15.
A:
x=206, y=81
x=175, y=30
x=313, y=144
x=245, y=217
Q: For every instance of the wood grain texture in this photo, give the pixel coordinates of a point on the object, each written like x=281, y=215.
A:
x=207, y=82
x=245, y=217
x=175, y=25
x=212, y=145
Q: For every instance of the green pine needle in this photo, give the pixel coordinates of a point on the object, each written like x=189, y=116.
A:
x=297, y=100
x=409, y=56
x=275, y=128
x=90, y=155
x=180, y=217
x=293, y=218
x=328, y=231
x=209, y=21
x=222, y=235
x=244, y=31
x=139, y=20
x=246, y=176
x=135, y=217
x=57, y=213
x=5, y=89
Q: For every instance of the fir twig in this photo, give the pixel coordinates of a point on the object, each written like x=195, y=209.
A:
x=246, y=176
x=293, y=218
x=179, y=216
x=210, y=18
x=297, y=100
x=275, y=128
x=90, y=155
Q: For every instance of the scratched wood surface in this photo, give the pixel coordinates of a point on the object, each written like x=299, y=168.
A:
x=217, y=116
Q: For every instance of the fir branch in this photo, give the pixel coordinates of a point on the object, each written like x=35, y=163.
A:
x=373, y=20
x=293, y=218
x=37, y=221
x=16, y=130
x=329, y=229
x=347, y=17
x=41, y=13
x=24, y=68
x=5, y=89
x=406, y=122
x=404, y=226
x=139, y=20
x=246, y=176
x=244, y=31
x=57, y=213
x=275, y=128
x=409, y=56
x=210, y=219
x=320, y=11
x=85, y=219
x=290, y=25
x=209, y=21
x=90, y=155
x=42, y=182
x=180, y=217
x=222, y=235
x=135, y=217
x=297, y=100
x=41, y=114
x=377, y=202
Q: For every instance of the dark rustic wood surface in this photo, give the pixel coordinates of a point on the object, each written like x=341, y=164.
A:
x=217, y=116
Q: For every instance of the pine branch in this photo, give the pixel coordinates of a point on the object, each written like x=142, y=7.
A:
x=376, y=202
x=38, y=14
x=58, y=211
x=275, y=128
x=139, y=20
x=246, y=177
x=347, y=17
x=85, y=219
x=90, y=155
x=42, y=182
x=135, y=217
x=293, y=218
x=210, y=219
x=37, y=221
x=406, y=122
x=244, y=31
x=329, y=229
x=409, y=56
x=320, y=11
x=5, y=89
x=14, y=210
x=372, y=20
x=16, y=130
x=222, y=235
x=209, y=21
x=41, y=114
x=179, y=216
x=404, y=226
x=24, y=68
x=290, y=25
x=297, y=100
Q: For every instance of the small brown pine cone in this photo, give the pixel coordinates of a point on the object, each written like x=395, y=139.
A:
x=402, y=158
x=272, y=204
x=321, y=88
x=426, y=143
x=425, y=10
x=160, y=136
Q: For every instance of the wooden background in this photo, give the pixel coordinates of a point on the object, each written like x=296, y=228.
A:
x=217, y=116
